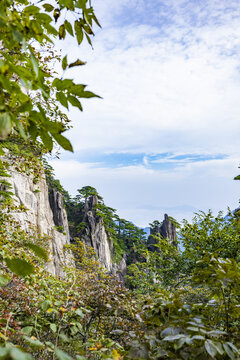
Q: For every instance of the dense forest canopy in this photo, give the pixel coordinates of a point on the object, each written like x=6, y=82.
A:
x=178, y=301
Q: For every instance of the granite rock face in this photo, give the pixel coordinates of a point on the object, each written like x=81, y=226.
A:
x=57, y=206
x=95, y=234
x=120, y=270
x=166, y=229
x=39, y=215
x=44, y=212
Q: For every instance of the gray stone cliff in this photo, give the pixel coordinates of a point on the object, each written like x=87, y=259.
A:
x=95, y=234
x=44, y=212
x=166, y=230
x=43, y=217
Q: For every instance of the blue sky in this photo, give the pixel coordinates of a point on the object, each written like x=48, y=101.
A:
x=165, y=136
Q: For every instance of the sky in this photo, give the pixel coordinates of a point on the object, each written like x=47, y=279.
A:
x=165, y=136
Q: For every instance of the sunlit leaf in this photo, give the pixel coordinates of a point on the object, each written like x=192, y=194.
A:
x=63, y=142
x=34, y=61
x=48, y=7
x=74, y=102
x=210, y=348
x=61, y=355
x=3, y=280
x=33, y=342
x=38, y=250
x=5, y=125
x=27, y=330
x=68, y=27
x=64, y=62
x=77, y=63
x=20, y=267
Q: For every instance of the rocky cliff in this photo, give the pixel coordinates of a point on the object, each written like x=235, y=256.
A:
x=166, y=230
x=94, y=234
x=39, y=215
x=43, y=209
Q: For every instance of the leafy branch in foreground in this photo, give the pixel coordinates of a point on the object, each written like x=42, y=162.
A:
x=26, y=84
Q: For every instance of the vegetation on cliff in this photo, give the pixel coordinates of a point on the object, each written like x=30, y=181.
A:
x=175, y=303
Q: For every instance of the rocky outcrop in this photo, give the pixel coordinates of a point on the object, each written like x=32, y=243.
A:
x=57, y=207
x=95, y=235
x=38, y=215
x=120, y=270
x=166, y=230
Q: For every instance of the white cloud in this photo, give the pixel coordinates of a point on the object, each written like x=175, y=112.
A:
x=172, y=85
x=184, y=86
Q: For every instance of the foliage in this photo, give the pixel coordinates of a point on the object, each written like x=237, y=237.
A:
x=90, y=315
x=85, y=315
x=207, y=233
x=29, y=91
x=202, y=329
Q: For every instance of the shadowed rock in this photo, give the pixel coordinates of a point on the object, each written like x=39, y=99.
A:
x=166, y=230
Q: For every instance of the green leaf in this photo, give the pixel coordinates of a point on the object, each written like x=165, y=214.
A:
x=210, y=348
x=78, y=31
x=233, y=347
x=44, y=18
x=51, y=30
x=228, y=351
x=17, y=354
x=174, y=337
x=25, y=107
x=38, y=250
x=88, y=39
x=46, y=139
x=5, y=125
x=61, y=355
x=79, y=312
x=17, y=36
x=62, y=32
x=77, y=89
x=27, y=330
x=34, y=61
x=53, y=327
x=3, y=280
x=63, y=142
x=46, y=305
x=33, y=130
x=3, y=352
x=219, y=347
x=62, y=84
x=64, y=62
x=78, y=62
x=198, y=337
x=20, y=267
x=48, y=7
x=75, y=102
x=31, y=9
x=34, y=343
x=95, y=19
x=89, y=94
x=62, y=99
x=237, y=177
x=68, y=27
x=64, y=337
x=21, y=130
